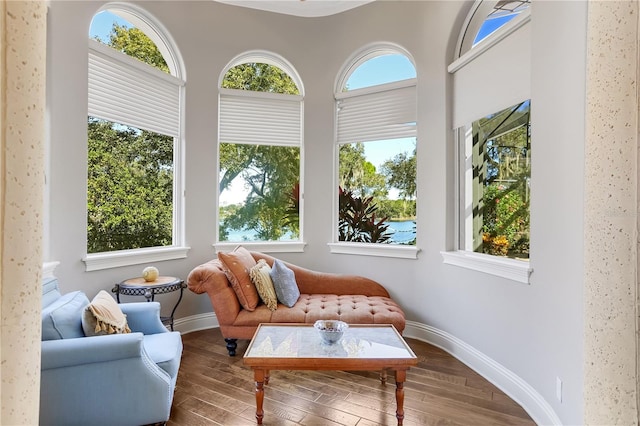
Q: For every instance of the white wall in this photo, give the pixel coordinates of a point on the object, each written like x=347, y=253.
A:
x=534, y=331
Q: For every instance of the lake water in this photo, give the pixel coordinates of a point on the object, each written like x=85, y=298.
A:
x=402, y=233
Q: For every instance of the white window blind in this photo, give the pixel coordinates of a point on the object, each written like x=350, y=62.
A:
x=127, y=91
x=495, y=79
x=260, y=118
x=389, y=112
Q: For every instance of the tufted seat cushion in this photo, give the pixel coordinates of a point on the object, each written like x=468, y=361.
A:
x=352, y=309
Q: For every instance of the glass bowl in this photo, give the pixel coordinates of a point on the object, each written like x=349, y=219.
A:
x=330, y=330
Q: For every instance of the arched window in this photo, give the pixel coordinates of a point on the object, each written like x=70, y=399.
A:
x=491, y=118
x=134, y=192
x=376, y=133
x=260, y=143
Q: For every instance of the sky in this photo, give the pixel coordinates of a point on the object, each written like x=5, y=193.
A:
x=102, y=23
x=490, y=25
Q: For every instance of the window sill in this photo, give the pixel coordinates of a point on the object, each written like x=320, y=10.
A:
x=115, y=259
x=512, y=269
x=379, y=250
x=263, y=246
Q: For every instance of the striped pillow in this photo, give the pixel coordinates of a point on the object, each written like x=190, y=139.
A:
x=260, y=275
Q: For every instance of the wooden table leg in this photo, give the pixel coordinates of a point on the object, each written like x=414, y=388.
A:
x=259, y=378
x=383, y=376
x=401, y=376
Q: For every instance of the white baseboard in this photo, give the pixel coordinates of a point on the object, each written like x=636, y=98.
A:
x=507, y=381
x=195, y=323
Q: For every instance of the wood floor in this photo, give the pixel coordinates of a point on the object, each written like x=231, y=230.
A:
x=215, y=389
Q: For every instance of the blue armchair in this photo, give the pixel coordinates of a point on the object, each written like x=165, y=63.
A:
x=115, y=379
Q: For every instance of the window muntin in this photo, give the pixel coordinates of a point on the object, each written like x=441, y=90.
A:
x=376, y=148
x=260, y=141
x=134, y=136
x=496, y=165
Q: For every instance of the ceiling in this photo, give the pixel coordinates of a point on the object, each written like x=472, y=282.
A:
x=305, y=8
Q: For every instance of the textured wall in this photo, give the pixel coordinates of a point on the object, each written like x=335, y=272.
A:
x=22, y=91
x=610, y=376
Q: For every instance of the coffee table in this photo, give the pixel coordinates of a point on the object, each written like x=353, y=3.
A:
x=373, y=347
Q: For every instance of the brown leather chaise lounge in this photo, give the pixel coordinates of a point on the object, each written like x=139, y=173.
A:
x=350, y=298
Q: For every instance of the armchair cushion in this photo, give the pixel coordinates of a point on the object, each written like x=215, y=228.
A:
x=104, y=316
x=62, y=318
x=285, y=283
x=236, y=266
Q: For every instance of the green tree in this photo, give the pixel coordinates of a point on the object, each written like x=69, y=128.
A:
x=358, y=175
x=400, y=172
x=506, y=143
x=130, y=188
x=270, y=176
x=259, y=77
x=135, y=43
x=270, y=173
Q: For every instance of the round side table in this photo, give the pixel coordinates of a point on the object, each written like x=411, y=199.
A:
x=149, y=289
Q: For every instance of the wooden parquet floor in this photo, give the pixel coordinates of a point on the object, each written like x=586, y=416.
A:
x=215, y=389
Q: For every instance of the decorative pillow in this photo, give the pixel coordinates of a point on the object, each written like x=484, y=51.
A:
x=62, y=319
x=284, y=282
x=260, y=276
x=236, y=266
x=104, y=316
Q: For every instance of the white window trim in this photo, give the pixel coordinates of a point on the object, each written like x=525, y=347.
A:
x=259, y=56
x=116, y=259
x=511, y=269
x=398, y=251
x=168, y=48
x=371, y=51
x=263, y=246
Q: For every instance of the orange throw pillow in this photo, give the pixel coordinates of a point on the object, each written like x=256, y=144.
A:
x=236, y=266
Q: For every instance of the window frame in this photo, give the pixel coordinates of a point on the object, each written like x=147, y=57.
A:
x=356, y=60
x=270, y=58
x=518, y=271
x=145, y=22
